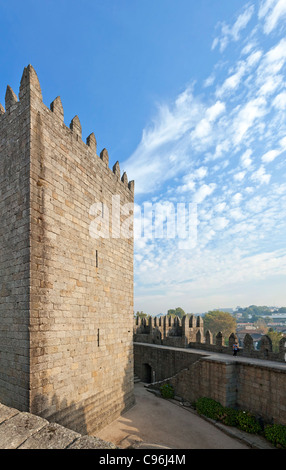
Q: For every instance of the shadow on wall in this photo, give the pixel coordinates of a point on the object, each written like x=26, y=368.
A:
x=71, y=416
x=93, y=413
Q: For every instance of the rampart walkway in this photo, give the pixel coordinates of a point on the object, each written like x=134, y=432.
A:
x=221, y=356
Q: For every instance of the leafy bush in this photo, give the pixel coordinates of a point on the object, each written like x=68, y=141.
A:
x=276, y=434
x=229, y=417
x=167, y=391
x=248, y=423
x=209, y=408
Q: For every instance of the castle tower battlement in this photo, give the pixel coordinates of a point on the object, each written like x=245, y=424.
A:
x=30, y=89
x=168, y=330
x=66, y=294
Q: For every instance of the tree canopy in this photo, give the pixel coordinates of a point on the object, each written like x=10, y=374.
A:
x=141, y=314
x=216, y=321
x=275, y=337
x=176, y=312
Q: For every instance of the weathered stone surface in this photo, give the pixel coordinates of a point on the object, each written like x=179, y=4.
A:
x=51, y=436
x=6, y=412
x=17, y=429
x=21, y=430
x=66, y=295
x=90, y=442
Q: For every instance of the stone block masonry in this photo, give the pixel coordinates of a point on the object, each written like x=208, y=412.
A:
x=66, y=297
x=251, y=384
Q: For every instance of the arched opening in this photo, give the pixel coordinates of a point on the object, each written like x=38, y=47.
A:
x=147, y=373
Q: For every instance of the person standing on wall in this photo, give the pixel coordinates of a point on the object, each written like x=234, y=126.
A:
x=235, y=349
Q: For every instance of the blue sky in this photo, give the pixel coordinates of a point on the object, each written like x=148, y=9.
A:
x=190, y=97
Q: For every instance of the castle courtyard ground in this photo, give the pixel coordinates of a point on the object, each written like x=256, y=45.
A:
x=157, y=423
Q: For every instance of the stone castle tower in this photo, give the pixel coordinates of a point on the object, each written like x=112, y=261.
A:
x=66, y=296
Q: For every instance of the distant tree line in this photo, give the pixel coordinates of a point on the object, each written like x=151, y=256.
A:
x=256, y=311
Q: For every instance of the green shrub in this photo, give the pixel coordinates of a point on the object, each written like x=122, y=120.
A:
x=167, y=391
x=229, y=418
x=244, y=420
x=209, y=408
x=248, y=423
x=276, y=434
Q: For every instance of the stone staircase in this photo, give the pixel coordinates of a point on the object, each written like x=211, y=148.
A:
x=136, y=379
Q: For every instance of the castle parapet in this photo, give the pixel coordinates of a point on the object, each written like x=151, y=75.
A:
x=188, y=332
x=168, y=330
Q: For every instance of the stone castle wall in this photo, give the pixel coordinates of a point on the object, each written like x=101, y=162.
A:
x=167, y=330
x=179, y=352
x=66, y=303
x=188, y=332
x=253, y=385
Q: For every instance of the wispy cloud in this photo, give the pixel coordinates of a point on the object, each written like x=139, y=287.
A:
x=273, y=12
x=221, y=146
x=232, y=33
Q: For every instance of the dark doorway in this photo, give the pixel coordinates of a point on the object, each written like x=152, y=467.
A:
x=147, y=373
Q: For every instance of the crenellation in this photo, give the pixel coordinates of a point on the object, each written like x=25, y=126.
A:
x=10, y=99
x=131, y=186
x=30, y=85
x=116, y=169
x=57, y=108
x=104, y=156
x=124, y=178
x=181, y=333
x=75, y=127
x=91, y=142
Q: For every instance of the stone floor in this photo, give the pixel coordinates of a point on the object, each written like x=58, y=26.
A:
x=157, y=423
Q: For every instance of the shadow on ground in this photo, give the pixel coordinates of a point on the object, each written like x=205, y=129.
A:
x=157, y=423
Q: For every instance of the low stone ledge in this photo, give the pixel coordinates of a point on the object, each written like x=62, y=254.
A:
x=21, y=430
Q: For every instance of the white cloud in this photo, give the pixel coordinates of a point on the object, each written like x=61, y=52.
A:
x=233, y=81
x=156, y=160
x=254, y=58
x=251, y=111
x=256, y=204
x=220, y=207
x=203, y=130
x=201, y=172
x=270, y=84
x=272, y=17
x=237, y=198
x=209, y=81
x=279, y=101
x=213, y=112
x=236, y=214
x=260, y=176
x=275, y=57
x=282, y=143
x=214, y=147
x=265, y=6
x=239, y=176
x=233, y=33
x=204, y=191
x=246, y=160
x=220, y=223
x=270, y=156
x=241, y=22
